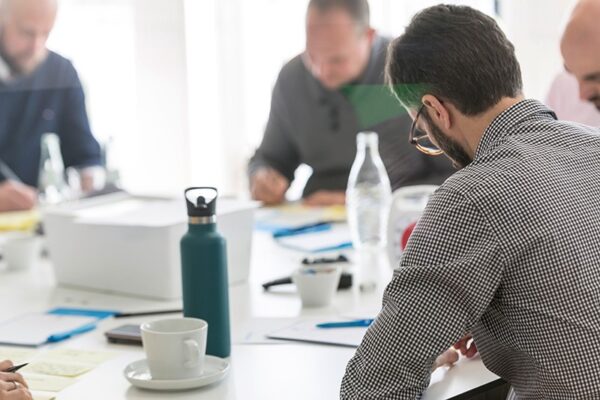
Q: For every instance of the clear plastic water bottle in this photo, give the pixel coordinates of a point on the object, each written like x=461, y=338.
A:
x=368, y=200
x=52, y=185
x=113, y=176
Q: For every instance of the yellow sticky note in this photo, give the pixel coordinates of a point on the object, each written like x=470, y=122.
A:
x=93, y=358
x=19, y=220
x=335, y=213
x=58, y=368
x=47, y=383
x=15, y=354
x=43, y=396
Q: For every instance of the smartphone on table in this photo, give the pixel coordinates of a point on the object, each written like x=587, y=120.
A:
x=125, y=334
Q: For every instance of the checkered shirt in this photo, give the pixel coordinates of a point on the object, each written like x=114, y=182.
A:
x=508, y=249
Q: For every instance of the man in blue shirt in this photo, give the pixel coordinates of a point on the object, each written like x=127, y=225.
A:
x=40, y=92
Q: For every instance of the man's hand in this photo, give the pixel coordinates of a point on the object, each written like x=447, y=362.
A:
x=91, y=178
x=466, y=346
x=12, y=385
x=268, y=185
x=325, y=198
x=15, y=196
x=449, y=357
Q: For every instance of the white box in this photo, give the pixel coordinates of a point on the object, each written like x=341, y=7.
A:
x=130, y=244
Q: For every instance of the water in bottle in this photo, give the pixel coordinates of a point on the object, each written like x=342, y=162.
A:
x=368, y=200
x=52, y=185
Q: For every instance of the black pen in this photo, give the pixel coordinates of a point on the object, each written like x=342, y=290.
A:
x=15, y=368
x=7, y=172
x=142, y=313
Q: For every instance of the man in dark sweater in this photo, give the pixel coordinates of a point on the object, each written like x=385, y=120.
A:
x=40, y=92
x=322, y=99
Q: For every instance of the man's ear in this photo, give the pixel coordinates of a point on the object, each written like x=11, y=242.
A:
x=437, y=111
x=370, y=33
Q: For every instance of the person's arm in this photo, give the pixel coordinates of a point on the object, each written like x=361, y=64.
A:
x=78, y=146
x=12, y=385
x=272, y=167
x=322, y=198
x=16, y=196
x=448, y=276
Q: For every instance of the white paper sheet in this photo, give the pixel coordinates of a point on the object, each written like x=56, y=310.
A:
x=307, y=331
x=34, y=329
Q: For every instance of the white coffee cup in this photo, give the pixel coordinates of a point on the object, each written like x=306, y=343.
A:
x=317, y=285
x=175, y=348
x=21, y=250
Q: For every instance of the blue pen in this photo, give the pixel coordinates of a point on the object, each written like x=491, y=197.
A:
x=358, y=323
x=311, y=228
x=57, y=337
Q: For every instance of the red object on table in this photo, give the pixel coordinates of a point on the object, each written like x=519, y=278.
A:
x=406, y=235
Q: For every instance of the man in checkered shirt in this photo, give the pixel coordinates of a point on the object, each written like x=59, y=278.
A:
x=508, y=248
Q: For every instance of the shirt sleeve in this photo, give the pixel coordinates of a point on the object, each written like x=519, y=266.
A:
x=278, y=149
x=448, y=276
x=78, y=145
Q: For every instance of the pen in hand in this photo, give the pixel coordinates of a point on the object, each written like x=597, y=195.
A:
x=7, y=172
x=15, y=368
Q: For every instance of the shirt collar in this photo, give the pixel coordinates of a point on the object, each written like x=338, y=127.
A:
x=503, y=125
x=5, y=73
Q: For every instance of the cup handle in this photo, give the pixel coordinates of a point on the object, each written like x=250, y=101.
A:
x=192, y=351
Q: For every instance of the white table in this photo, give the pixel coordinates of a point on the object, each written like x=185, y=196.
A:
x=259, y=371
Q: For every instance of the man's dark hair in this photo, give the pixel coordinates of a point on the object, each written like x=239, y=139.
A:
x=358, y=9
x=457, y=54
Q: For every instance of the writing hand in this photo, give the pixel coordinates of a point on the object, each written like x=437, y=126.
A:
x=16, y=196
x=12, y=385
x=268, y=185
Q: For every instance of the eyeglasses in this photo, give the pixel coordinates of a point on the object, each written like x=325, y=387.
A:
x=421, y=140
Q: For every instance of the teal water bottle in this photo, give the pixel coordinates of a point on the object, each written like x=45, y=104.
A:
x=204, y=270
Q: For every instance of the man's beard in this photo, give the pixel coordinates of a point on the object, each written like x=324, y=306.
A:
x=595, y=101
x=450, y=147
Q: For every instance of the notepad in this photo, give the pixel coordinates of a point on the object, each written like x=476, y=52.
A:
x=290, y=216
x=67, y=363
x=17, y=355
x=35, y=329
x=47, y=383
x=307, y=331
x=19, y=220
x=336, y=238
x=49, y=372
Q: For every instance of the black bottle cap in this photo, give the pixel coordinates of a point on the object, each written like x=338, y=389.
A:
x=201, y=201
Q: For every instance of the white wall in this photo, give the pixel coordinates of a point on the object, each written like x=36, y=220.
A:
x=535, y=27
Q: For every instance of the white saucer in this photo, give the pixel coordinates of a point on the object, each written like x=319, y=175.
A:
x=138, y=374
